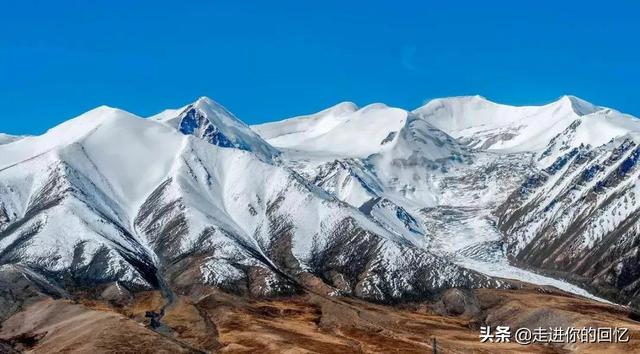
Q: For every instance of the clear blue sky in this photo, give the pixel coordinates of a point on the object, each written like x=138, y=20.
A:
x=269, y=60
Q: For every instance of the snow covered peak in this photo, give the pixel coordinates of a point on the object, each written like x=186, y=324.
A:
x=209, y=108
x=578, y=105
x=211, y=122
x=457, y=113
x=303, y=127
x=340, y=131
x=204, y=100
x=343, y=108
x=486, y=125
x=69, y=132
x=131, y=153
x=216, y=112
x=385, y=134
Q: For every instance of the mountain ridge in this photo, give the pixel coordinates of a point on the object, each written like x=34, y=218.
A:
x=377, y=202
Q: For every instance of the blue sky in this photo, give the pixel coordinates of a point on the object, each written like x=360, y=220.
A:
x=270, y=60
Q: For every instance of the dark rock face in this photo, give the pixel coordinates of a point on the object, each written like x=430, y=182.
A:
x=4, y=216
x=195, y=123
x=389, y=138
x=163, y=223
x=350, y=254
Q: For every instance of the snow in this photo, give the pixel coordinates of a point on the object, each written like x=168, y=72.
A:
x=296, y=130
x=6, y=138
x=339, y=131
x=478, y=232
x=488, y=125
x=139, y=155
x=59, y=230
x=61, y=135
x=398, y=151
x=459, y=113
x=502, y=269
x=167, y=114
x=113, y=158
x=311, y=144
x=429, y=178
x=131, y=153
x=230, y=130
x=464, y=230
x=561, y=200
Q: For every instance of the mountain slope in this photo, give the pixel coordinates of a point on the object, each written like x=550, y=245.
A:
x=574, y=213
x=580, y=217
x=379, y=159
x=433, y=189
x=208, y=120
x=109, y=196
x=485, y=125
x=377, y=147
x=188, y=221
x=377, y=202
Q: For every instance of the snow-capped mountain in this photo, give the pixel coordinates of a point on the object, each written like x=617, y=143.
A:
x=578, y=218
x=379, y=147
x=488, y=154
x=550, y=129
x=378, y=202
x=109, y=196
x=574, y=215
x=209, y=121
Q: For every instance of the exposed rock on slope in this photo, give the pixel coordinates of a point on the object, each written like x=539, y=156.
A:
x=377, y=202
x=109, y=197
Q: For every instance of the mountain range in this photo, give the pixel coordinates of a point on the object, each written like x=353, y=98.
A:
x=378, y=203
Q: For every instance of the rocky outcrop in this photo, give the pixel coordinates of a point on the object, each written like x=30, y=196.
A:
x=579, y=219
